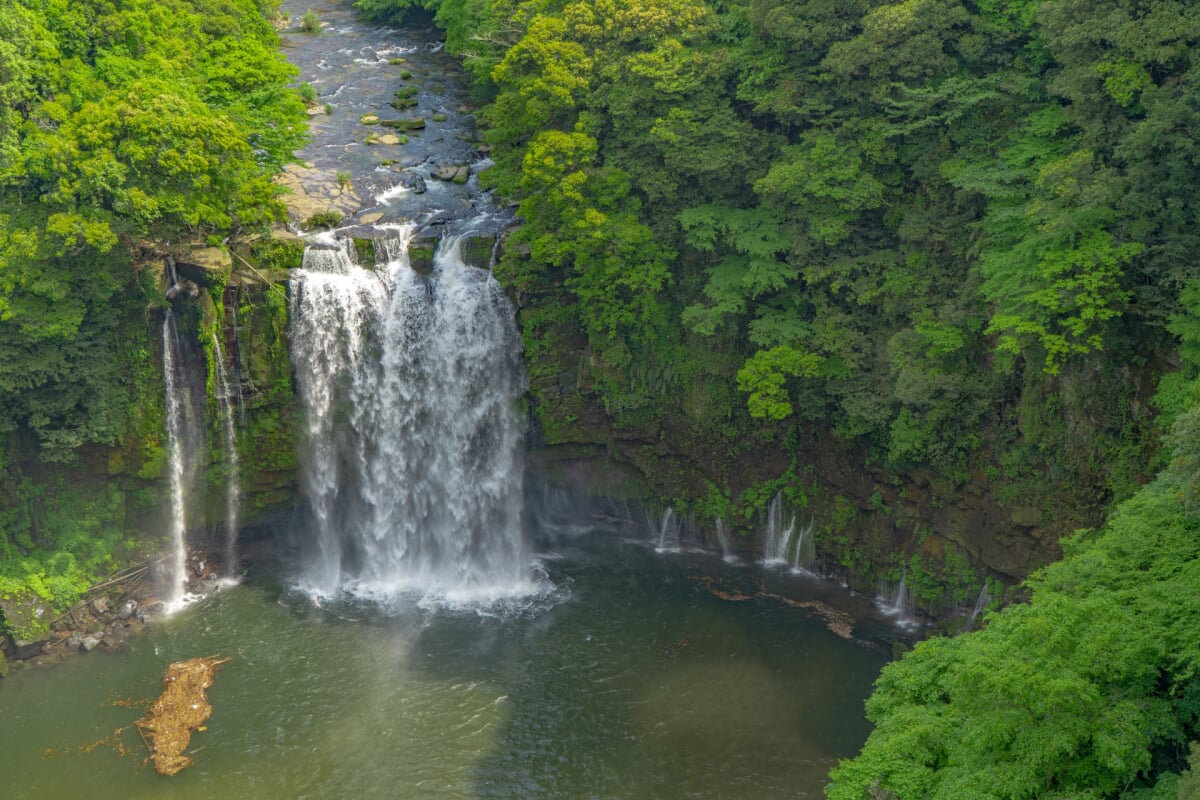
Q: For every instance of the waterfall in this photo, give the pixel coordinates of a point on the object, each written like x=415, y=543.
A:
x=804, y=555
x=779, y=535
x=725, y=541
x=233, y=491
x=898, y=602
x=412, y=465
x=236, y=384
x=177, y=461
x=787, y=543
x=669, y=532
x=981, y=603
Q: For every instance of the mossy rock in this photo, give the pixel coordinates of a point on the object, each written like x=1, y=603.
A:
x=477, y=251
x=411, y=90
x=397, y=62
x=439, y=117
x=405, y=74
x=405, y=124
x=369, y=119
x=365, y=250
x=420, y=255
x=403, y=103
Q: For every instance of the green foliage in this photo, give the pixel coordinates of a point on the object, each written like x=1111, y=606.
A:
x=57, y=537
x=876, y=214
x=765, y=375
x=1080, y=692
x=122, y=126
x=310, y=22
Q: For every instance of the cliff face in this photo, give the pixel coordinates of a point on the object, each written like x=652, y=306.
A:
x=686, y=450
x=873, y=522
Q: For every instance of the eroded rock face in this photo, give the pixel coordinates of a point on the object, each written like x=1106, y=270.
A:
x=312, y=191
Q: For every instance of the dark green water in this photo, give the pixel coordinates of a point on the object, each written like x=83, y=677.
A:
x=633, y=681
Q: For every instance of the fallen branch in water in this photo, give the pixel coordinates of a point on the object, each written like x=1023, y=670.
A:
x=179, y=710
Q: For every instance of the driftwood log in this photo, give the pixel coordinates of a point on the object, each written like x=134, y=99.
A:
x=180, y=709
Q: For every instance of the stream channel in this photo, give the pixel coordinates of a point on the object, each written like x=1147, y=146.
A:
x=619, y=671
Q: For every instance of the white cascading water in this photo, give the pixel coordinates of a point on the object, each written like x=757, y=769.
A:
x=899, y=601
x=412, y=466
x=786, y=542
x=177, y=413
x=669, y=532
x=726, y=542
x=981, y=603
x=233, y=492
x=780, y=529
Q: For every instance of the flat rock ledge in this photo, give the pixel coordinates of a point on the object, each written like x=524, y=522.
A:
x=312, y=192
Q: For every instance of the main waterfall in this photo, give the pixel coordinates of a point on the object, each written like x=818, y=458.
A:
x=413, y=465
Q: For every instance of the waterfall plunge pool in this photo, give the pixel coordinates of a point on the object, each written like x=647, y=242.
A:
x=633, y=680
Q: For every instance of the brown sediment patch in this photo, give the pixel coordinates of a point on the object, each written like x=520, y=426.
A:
x=838, y=622
x=180, y=709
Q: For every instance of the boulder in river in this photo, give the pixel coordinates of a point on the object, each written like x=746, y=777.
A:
x=457, y=173
x=127, y=609
x=404, y=123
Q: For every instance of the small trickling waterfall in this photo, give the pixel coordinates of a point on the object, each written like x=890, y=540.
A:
x=726, y=542
x=981, y=603
x=412, y=465
x=670, y=532
x=785, y=542
x=779, y=533
x=233, y=493
x=898, y=601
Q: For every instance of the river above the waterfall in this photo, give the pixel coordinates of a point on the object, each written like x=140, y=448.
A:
x=356, y=70
x=642, y=675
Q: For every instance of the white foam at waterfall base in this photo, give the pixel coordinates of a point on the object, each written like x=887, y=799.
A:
x=412, y=463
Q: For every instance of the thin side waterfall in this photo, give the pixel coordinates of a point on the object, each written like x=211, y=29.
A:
x=413, y=469
x=981, y=603
x=669, y=532
x=175, y=400
x=725, y=541
x=233, y=491
x=806, y=549
x=898, y=601
x=781, y=527
x=236, y=383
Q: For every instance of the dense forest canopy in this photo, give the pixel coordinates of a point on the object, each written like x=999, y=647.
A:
x=922, y=222
x=124, y=127
x=962, y=235
x=964, y=232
